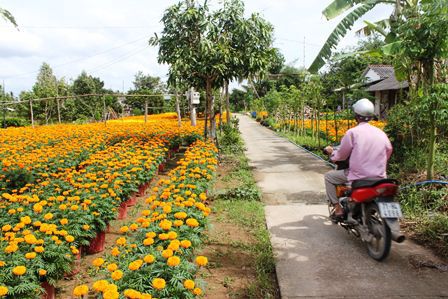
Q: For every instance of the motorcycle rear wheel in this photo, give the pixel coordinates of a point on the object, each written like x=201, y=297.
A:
x=379, y=246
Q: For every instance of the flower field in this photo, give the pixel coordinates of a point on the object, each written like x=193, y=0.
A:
x=62, y=185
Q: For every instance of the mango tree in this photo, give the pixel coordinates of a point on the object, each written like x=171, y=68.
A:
x=205, y=51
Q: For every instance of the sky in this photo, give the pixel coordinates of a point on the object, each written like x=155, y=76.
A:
x=109, y=38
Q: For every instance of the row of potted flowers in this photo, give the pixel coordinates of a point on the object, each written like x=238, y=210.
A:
x=43, y=229
x=155, y=255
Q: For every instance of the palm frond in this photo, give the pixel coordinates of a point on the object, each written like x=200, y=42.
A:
x=339, y=32
x=8, y=16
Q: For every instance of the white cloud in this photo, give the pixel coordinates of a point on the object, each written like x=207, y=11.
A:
x=109, y=38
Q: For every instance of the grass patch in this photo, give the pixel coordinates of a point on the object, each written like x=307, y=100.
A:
x=249, y=215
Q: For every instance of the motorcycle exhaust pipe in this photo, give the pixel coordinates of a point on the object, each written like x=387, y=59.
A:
x=394, y=226
x=397, y=236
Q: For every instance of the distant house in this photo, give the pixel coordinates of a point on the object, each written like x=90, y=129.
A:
x=382, y=83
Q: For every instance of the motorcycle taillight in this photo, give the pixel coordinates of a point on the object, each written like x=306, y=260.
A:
x=386, y=189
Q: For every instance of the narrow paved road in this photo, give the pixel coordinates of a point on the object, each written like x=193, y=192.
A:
x=314, y=258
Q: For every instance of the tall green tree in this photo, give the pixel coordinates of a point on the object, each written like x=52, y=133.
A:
x=202, y=50
x=421, y=48
x=46, y=86
x=89, y=107
x=146, y=85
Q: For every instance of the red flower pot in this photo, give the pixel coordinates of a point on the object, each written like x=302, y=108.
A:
x=50, y=292
x=97, y=244
x=108, y=228
x=123, y=210
x=132, y=200
x=162, y=167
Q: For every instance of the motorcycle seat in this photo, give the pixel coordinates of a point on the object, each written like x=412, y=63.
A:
x=365, y=183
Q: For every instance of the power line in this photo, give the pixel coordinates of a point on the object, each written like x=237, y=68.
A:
x=118, y=59
x=81, y=59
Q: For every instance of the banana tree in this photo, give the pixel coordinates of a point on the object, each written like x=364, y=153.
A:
x=356, y=9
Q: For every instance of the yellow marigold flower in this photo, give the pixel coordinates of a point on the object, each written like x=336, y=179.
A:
x=81, y=290
x=117, y=275
x=185, y=243
x=30, y=255
x=201, y=260
x=42, y=272
x=124, y=229
x=74, y=208
x=149, y=258
x=63, y=221
x=69, y=238
x=133, y=227
x=121, y=241
x=62, y=207
x=112, y=267
x=148, y=241
x=173, y=261
x=25, y=220
x=172, y=235
x=135, y=265
x=178, y=223
x=115, y=251
x=132, y=294
x=151, y=234
x=37, y=208
x=6, y=227
x=2, y=263
x=146, y=296
x=167, y=253
x=3, y=290
x=202, y=196
x=197, y=291
x=86, y=227
x=39, y=249
x=189, y=284
x=30, y=239
x=158, y=283
x=48, y=216
x=163, y=236
x=100, y=285
x=192, y=222
x=111, y=294
x=165, y=224
x=98, y=262
x=19, y=270
x=167, y=209
x=180, y=215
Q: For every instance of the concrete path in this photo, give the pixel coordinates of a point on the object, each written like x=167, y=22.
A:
x=314, y=258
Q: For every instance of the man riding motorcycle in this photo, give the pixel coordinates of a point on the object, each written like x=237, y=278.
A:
x=367, y=148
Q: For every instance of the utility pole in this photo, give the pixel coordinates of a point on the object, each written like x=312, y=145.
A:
x=146, y=110
x=31, y=112
x=304, y=51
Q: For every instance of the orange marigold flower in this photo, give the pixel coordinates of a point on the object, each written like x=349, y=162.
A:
x=98, y=262
x=100, y=285
x=3, y=291
x=117, y=275
x=173, y=261
x=112, y=267
x=189, y=284
x=197, y=291
x=192, y=222
x=19, y=270
x=149, y=258
x=42, y=272
x=158, y=283
x=81, y=290
x=201, y=260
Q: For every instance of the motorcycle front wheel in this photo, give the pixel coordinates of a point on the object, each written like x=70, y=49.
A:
x=379, y=245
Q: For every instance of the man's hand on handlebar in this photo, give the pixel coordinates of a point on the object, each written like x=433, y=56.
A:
x=328, y=150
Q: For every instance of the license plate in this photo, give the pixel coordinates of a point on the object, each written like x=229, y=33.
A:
x=390, y=210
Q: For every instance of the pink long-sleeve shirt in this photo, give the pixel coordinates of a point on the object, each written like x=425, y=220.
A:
x=368, y=148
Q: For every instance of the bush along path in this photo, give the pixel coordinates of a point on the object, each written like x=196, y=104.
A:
x=155, y=255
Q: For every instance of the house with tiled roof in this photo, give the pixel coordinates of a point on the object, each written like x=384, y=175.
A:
x=381, y=82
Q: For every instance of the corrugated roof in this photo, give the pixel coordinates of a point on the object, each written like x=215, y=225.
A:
x=383, y=70
x=390, y=83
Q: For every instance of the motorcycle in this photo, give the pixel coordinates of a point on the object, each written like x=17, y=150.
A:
x=370, y=212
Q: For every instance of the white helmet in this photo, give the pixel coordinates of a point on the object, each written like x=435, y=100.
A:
x=364, y=107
